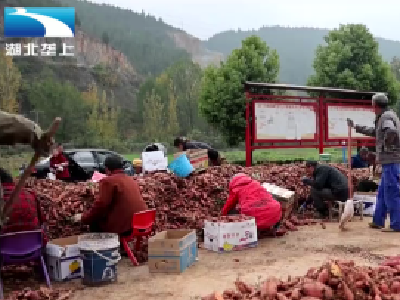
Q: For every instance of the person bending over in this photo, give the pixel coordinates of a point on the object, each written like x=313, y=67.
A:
x=183, y=144
x=327, y=184
x=253, y=200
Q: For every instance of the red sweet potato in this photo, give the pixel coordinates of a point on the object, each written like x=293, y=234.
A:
x=243, y=288
x=269, y=288
x=280, y=296
x=323, y=276
x=395, y=287
x=296, y=294
x=348, y=294
x=317, y=289
x=384, y=288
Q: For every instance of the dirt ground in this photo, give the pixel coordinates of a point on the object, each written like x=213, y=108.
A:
x=293, y=254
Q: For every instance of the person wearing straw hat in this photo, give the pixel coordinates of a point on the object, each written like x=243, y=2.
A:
x=253, y=200
x=387, y=135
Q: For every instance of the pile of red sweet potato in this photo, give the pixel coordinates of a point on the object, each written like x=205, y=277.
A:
x=334, y=280
x=180, y=203
x=43, y=293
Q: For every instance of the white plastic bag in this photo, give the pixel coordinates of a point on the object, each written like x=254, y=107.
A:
x=51, y=176
x=347, y=214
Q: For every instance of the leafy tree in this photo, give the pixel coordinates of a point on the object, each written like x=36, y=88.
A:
x=92, y=121
x=144, y=91
x=351, y=60
x=186, y=81
x=153, y=117
x=148, y=43
x=56, y=99
x=102, y=121
x=10, y=79
x=395, y=66
x=172, y=125
x=105, y=38
x=222, y=100
x=181, y=82
x=108, y=131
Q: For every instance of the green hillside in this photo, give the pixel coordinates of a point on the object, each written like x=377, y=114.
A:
x=296, y=48
x=142, y=38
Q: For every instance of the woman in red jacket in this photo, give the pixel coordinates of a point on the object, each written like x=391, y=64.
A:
x=59, y=164
x=253, y=201
x=26, y=214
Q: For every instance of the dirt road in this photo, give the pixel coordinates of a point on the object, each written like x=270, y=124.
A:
x=293, y=254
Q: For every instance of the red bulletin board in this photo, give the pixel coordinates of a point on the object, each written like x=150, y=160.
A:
x=336, y=124
x=284, y=122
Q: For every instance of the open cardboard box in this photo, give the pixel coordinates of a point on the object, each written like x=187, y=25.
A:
x=172, y=251
x=64, y=259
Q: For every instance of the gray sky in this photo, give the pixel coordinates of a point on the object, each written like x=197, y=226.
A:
x=203, y=18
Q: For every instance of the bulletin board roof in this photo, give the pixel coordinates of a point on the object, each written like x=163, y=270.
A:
x=279, y=86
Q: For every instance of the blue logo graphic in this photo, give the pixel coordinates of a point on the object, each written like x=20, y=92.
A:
x=57, y=22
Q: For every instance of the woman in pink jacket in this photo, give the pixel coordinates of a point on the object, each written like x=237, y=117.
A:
x=253, y=201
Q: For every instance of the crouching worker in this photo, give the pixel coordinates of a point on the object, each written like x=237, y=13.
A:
x=253, y=201
x=119, y=199
x=25, y=214
x=327, y=183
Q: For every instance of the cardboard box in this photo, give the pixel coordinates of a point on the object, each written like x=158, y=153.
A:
x=225, y=237
x=369, y=201
x=64, y=259
x=279, y=193
x=172, y=251
x=197, y=157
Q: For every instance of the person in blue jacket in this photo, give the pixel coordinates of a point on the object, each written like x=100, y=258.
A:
x=361, y=159
x=387, y=134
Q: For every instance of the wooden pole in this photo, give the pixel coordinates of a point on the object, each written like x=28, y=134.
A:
x=349, y=177
x=27, y=172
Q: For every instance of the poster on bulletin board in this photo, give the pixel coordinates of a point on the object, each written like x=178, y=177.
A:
x=285, y=121
x=337, y=120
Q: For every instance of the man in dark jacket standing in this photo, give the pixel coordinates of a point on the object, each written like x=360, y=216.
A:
x=387, y=134
x=327, y=184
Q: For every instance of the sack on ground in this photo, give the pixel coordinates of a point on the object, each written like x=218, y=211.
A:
x=348, y=212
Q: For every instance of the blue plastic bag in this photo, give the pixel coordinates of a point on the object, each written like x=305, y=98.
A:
x=181, y=166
